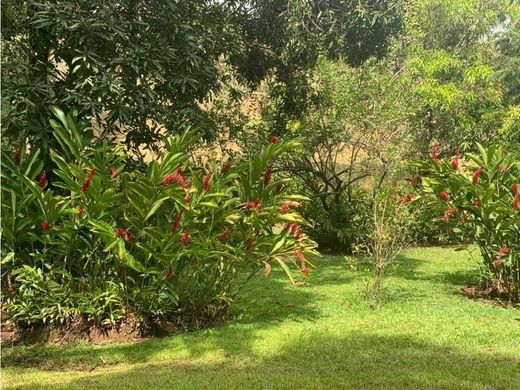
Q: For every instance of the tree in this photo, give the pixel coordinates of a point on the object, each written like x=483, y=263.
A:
x=134, y=66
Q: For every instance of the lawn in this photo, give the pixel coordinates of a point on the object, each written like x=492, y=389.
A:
x=323, y=335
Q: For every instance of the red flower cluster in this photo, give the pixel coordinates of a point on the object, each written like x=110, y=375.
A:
x=16, y=155
x=274, y=139
x=455, y=160
x=206, y=181
x=122, y=232
x=88, y=179
x=81, y=211
x=435, y=152
x=43, y=179
x=185, y=239
x=407, y=198
x=476, y=176
x=253, y=204
x=444, y=195
x=448, y=213
x=45, y=225
x=176, y=177
x=287, y=205
x=501, y=252
x=168, y=274
x=267, y=175
x=476, y=202
x=224, y=236
x=305, y=272
x=177, y=221
x=294, y=230
x=187, y=197
x=227, y=167
x=516, y=197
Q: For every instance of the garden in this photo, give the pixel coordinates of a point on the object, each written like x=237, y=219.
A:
x=257, y=195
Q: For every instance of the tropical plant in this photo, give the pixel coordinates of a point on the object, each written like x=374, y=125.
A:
x=479, y=198
x=171, y=243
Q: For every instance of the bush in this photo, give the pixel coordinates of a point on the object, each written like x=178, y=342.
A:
x=171, y=243
x=479, y=197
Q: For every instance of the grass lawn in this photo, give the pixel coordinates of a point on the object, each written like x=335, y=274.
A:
x=323, y=335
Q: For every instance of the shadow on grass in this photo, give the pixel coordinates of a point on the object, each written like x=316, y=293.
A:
x=359, y=360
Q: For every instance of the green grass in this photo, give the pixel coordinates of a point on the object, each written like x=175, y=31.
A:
x=323, y=335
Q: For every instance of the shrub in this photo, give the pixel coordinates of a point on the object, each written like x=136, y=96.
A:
x=478, y=195
x=173, y=242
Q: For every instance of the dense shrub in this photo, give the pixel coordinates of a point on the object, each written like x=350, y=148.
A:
x=478, y=197
x=170, y=243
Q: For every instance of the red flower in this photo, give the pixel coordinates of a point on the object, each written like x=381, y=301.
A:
x=227, y=167
x=187, y=197
x=503, y=250
x=175, y=177
x=462, y=220
x=435, y=152
x=515, y=201
x=45, y=225
x=122, y=232
x=88, y=179
x=498, y=262
x=267, y=175
x=274, y=139
x=16, y=155
x=253, y=204
x=250, y=242
x=448, y=213
x=206, y=181
x=185, y=239
x=224, y=236
x=514, y=187
x=476, y=175
x=407, y=198
x=305, y=272
x=10, y=289
x=299, y=256
x=455, y=160
x=43, y=179
x=177, y=221
x=285, y=207
x=168, y=274
x=81, y=211
x=444, y=195
x=476, y=202
x=113, y=172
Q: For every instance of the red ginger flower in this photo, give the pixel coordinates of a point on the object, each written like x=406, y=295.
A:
x=476, y=202
x=514, y=187
x=455, y=160
x=206, y=181
x=187, y=197
x=175, y=177
x=476, y=176
x=503, y=250
x=498, y=262
x=224, y=236
x=16, y=155
x=227, y=167
x=515, y=201
x=435, y=152
x=299, y=256
x=448, y=213
x=81, y=211
x=122, y=232
x=45, y=225
x=253, y=204
x=287, y=205
x=185, y=239
x=43, y=179
x=444, y=195
x=168, y=274
x=274, y=139
x=407, y=198
x=177, y=221
x=305, y=272
x=267, y=175
x=88, y=179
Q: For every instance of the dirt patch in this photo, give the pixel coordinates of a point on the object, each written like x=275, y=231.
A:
x=487, y=294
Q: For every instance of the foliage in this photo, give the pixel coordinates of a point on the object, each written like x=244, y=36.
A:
x=135, y=67
x=168, y=243
x=479, y=196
